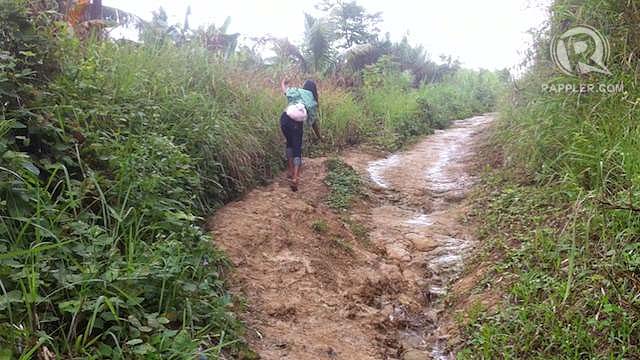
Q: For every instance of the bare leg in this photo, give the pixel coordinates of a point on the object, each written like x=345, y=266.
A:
x=289, y=154
x=290, y=168
x=297, y=162
x=296, y=175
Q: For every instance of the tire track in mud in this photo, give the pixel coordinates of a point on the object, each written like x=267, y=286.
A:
x=330, y=295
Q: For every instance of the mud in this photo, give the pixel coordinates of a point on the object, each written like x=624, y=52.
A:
x=331, y=294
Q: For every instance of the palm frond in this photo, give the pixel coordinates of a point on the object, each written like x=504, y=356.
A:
x=359, y=56
x=225, y=25
x=319, y=36
x=287, y=52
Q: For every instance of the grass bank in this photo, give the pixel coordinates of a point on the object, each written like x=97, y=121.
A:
x=563, y=210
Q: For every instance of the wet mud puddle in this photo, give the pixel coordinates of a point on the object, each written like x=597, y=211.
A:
x=418, y=225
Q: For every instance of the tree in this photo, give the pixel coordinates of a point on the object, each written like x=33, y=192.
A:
x=415, y=60
x=412, y=59
x=359, y=56
x=287, y=53
x=158, y=29
x=318, y=48
x=317, y=52
x=217, y=40
x=354, y=25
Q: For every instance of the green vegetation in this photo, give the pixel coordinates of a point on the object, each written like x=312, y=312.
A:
x=568, y=205
x=113, y=152
x=343, y=245
x=464, y=94
x=320, y=226
x=344, y=184
x=360, y=231
x=100, y=252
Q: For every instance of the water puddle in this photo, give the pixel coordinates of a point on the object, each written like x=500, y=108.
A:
x=420, y=220
x=377, y=168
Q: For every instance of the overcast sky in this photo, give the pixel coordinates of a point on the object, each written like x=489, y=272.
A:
x=487, y=34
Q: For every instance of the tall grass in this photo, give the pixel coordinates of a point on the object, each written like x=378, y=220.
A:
x=574, y=279
x=403, y=112
x=462, y=95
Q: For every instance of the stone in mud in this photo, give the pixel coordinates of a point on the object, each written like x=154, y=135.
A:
x=408, y=301
x=391, y=271
x=387, y=311
x=377, y=189
x=398, y=252
x=385, y=274
x=424, y=244
x=431, y=316
x=411, y=339
x=414, y=354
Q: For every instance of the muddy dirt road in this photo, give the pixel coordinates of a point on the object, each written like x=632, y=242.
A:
x=316, y=287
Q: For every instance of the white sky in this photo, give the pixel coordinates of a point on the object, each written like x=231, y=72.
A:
x=487, y=34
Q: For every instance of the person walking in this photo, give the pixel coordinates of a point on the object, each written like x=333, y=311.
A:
x=302, y=106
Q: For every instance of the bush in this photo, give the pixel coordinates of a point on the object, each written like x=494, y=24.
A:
x=460, y=96
x=343, y=120
x=344, y=184
x=100, y=254
x=391, y=103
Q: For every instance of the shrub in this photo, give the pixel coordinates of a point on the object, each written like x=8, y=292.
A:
x=100, y=254
x=344, y=184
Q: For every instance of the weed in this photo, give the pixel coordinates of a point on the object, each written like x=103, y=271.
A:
x=320, y=226
x=344, y=184
x=360, y=231
x=343, y=245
